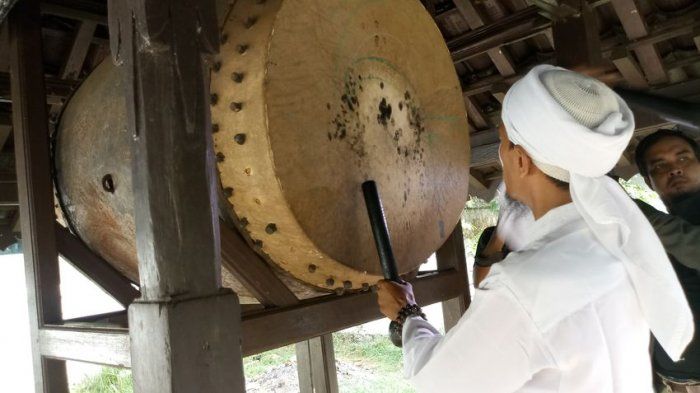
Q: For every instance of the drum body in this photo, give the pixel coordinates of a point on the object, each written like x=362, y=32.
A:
x=310, y=98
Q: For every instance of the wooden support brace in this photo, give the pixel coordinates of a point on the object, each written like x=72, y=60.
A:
x=35, y=189
x=94, y=267
x=271, y=329
x=316, y=365
x=452, y=256
x=252, y=271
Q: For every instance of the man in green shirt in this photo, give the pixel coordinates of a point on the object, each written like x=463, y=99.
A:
x=669, y=162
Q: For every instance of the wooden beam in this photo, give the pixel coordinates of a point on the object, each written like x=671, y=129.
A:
x=275, y=328
x=261, y=331
x=104, y=346
x=628, y=67
x=252, y=271
x=636, y=28
x=512, y=28
x=316, y=365
x=35, y=189
x=94, y=267
x=499, y=56
x=184, y=329
x=452, y=255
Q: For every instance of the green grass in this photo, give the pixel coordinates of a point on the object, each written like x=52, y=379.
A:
x=110, y=380
x=256, y=365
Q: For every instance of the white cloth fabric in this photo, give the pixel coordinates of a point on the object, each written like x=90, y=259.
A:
x=561, y=316
x=569, y=123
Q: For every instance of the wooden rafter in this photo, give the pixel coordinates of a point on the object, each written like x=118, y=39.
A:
x=635, y=28
x=629, y=68
x=499, y=56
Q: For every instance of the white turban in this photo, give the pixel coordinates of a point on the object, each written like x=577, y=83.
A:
x=575, y=129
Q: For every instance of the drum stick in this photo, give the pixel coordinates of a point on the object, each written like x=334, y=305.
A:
x=377, y=221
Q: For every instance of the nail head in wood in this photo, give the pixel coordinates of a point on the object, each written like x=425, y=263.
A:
x=347, y=284
x=236, y=106
x=242, y=48
x=239, y=138
x=312, y=268
x=228, y=192
x=330, y=282
x=271, y=228
x=237, y=77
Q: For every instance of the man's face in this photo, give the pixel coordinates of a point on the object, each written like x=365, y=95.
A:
x=673, y=168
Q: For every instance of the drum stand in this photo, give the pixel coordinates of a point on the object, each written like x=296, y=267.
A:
x=183, y=333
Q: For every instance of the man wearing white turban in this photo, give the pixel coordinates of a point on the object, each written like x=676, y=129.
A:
x=571, y=310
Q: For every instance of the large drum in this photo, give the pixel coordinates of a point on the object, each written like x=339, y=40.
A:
x=309, y=99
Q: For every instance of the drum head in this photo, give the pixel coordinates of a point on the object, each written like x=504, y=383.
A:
x=314, y=97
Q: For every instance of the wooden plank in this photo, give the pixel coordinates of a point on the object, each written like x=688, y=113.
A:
x=452, y=256
x=108, y=347
x=311, y=318
x=78, y=51
x=94, y=267
x=252, y=271
x=35, y=189
x=629, y=68
x=185, y=330
x=316, y=365
x=636, y=28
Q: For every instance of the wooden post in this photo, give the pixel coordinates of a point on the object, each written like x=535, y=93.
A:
x=316, y=365
x=452, y=255
x=185, y=330
x=576, y=39
x=35, y=190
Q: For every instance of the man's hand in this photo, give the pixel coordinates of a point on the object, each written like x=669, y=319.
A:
x=392, y=297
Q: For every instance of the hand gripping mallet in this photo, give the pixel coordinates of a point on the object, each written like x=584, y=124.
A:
x=380, y=231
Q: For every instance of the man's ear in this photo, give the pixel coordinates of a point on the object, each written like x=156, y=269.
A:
x=525, y=164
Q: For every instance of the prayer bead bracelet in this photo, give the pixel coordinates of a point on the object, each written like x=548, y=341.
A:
x=409, y=310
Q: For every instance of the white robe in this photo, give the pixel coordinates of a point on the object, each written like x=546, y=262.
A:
x=559, y=316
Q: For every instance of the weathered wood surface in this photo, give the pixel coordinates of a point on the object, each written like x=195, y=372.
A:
x=92, y=345
x=184, y=329
x=316, y=365
x=453, y=256
x=34, y=187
